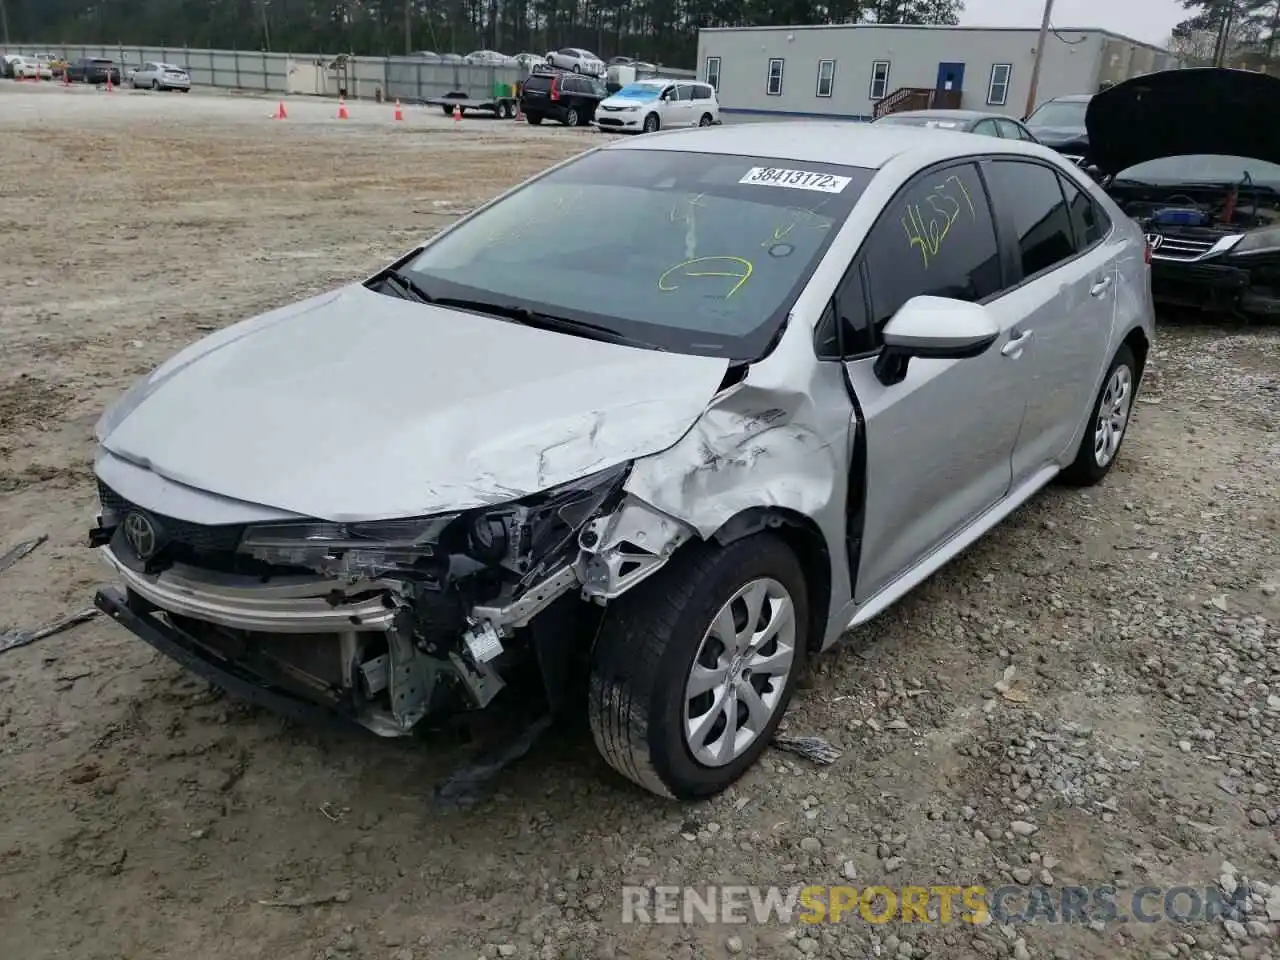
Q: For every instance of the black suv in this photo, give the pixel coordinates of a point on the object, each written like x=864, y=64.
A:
x=568, y=97
x=93, y=70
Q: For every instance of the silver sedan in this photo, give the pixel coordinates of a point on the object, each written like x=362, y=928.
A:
x=795, y=370
x=161, y=76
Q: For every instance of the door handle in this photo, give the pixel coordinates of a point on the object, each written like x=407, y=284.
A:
x=1014, y=346
x=1100, y=287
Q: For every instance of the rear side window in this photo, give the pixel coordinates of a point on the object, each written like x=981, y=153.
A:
x=702, y=92
x=936, y=238
x=1087, y=218
x=1042, y=226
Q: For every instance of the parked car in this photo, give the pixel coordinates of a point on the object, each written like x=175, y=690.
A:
x=6, y=64
x=93, y=70
x=161, y=76
x=26, y=67
x=528, y=61
x=650, y=105
x=691, y=459
x=965, y=121
x=1207, y=194
x=620, y=61
x=571, y=99
x=427, y=54
x=48, y=65
x=1059, y=124
x=577, y=60
x=452, y=58
x=488, y=57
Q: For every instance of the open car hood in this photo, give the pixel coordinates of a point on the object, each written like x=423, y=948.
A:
x=1173, y=113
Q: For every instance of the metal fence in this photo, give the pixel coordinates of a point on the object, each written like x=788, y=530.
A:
x=405, y=78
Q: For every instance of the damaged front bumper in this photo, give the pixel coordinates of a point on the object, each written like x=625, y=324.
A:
x=384, y=652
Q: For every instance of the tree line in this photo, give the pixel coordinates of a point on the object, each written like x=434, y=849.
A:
x=663, y=31
x=1237, y=33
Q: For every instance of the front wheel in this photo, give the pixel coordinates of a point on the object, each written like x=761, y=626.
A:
x=1107, y=423
x=693, y=670
x=651, y=123
x=155, y=85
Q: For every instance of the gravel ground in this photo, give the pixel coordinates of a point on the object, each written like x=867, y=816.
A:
x=1089, y=696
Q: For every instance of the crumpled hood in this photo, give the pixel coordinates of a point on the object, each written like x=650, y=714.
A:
x=1209, y=110
x=356, y=406
x=1052, y=136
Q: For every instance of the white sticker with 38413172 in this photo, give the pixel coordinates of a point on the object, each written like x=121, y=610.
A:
x=795, y=179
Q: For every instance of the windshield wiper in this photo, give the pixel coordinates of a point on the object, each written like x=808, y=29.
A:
x=406, y=286
x=542, y=321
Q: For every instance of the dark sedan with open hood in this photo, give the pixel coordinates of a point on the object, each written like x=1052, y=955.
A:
x=1190, y=156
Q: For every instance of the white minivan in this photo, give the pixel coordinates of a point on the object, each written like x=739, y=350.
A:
x=651, y=105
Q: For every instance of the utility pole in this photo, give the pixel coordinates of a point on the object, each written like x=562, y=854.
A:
x=4, y=21
x=1035, y=66
x=408, y=27
x=266, y=28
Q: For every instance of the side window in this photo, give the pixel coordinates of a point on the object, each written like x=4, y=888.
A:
x=879, y=79
x=1009, y=130
x=936, y=238
x=1033, y=197
x=773, y=84
x=848, y=309
x=713, y=72
x=1087, y=218
x=703, y=92
x=684, y=91
x=826, y=77
x=987, y=128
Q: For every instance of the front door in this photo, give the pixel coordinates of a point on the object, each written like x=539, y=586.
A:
x=939, y=445
x=951, y=78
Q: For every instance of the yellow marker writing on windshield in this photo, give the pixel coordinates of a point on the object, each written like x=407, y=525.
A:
x=705, y=269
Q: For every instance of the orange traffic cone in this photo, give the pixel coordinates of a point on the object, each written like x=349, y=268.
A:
x=109, y=87
x=399, y=112
x=457, y=113
x=342, y=109
x=519, y=112
x=281, y=113
x=66, y=77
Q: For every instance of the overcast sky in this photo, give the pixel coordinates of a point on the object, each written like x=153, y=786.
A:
x=1149, y=20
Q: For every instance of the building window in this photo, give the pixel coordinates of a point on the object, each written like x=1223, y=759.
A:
x=826, y=77
x=774, y=86
x=713, y=72
x=879, y=79
x=998, y=88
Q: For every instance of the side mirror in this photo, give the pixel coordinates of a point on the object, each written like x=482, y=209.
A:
x=934, y=328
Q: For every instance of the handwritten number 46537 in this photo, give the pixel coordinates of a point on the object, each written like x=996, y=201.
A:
x=927, y=231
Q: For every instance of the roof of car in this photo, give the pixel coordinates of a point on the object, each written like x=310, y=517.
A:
x=1072, y=98
x=852, y=144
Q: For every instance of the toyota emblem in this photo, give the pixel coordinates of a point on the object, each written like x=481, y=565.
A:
x=141, y=534
x=1155, y=239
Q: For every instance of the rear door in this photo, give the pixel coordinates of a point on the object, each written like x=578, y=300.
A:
x=1066, y=292
x=939, y=444
x=684, y=105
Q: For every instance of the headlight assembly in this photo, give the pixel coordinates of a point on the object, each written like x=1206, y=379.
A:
x=528, y=537
x=1258, y=241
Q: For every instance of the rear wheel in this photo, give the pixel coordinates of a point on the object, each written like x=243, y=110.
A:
x=652, y=123
x=533, y=118
x=1108, y=422
x=705, y=120
x=571, y=117
x=693, y=670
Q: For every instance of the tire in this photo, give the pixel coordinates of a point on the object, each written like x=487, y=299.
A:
x=533, y=118
x=446, y=110
x=705, y=120
x=571, y=118
x=1100, y=445
x=652, y=123
x=155, y=85
x=638, y=702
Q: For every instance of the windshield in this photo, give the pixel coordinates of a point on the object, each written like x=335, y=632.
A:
x=1059, y=113
x=1204, y=168
x=697, y=253
x=639, y=91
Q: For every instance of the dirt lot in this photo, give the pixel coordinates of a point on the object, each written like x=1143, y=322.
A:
x=1136, y=740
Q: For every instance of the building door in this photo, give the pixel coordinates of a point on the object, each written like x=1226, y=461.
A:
x=950, y=76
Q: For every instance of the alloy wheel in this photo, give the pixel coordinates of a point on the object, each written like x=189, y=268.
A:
x=739, y=673
x=1113, y=415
